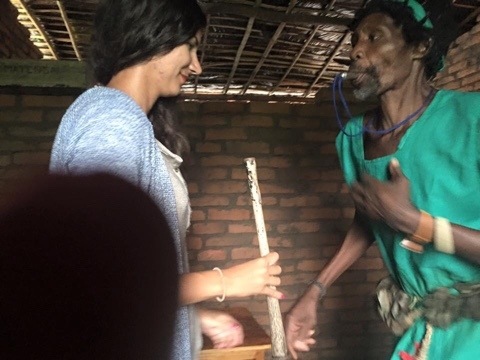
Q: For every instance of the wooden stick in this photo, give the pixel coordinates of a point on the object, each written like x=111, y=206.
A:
x=279, y=345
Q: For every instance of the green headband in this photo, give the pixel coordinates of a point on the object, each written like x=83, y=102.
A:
x=421, y=16
x=418, y=12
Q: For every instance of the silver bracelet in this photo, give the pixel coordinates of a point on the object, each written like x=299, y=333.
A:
x=220, y=272
x=320, y=285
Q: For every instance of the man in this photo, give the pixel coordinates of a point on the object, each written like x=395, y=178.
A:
x=413, y=168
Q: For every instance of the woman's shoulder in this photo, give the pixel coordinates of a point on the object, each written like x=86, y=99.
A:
x=106, y=107
x=106, y=100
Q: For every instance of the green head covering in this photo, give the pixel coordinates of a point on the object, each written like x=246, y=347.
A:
x=418, y=12
x=421, y=16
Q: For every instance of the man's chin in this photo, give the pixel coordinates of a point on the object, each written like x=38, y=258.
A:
x=365, y=92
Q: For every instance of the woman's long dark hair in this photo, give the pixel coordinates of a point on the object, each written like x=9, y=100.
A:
x=444, y=29
x=129, y=32
x=166, y=126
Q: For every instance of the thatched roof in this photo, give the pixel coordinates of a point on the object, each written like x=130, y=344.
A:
x=251, y=48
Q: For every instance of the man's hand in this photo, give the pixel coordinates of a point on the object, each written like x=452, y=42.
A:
x=300, y=325
x=388, y=201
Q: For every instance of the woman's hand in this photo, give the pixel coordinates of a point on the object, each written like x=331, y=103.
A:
x=224, y=331
x=249, y=278
x=254, y=277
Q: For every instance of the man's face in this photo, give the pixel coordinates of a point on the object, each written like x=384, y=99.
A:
x=381, y=60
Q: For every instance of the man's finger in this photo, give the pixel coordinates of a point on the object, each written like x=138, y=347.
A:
x=395, y=170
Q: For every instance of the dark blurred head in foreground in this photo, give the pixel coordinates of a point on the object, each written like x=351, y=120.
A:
x=87, y=271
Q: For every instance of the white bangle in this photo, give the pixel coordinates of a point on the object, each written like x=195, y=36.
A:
x=443, y=236
x=220, y=299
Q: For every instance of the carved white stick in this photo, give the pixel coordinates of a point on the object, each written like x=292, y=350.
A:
x=279, y=345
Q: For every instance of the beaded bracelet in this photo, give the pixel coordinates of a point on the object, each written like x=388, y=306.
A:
x=320, y=285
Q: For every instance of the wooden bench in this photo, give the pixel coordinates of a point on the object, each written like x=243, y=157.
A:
x=255, y=344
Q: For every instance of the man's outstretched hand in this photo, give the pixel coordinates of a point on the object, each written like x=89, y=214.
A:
x=300, y=325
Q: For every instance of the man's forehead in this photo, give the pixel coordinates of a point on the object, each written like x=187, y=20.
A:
x=375, y=20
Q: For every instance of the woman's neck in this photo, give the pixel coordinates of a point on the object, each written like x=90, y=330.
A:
x=134, y=83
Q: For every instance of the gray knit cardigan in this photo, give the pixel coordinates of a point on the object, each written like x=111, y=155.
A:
x=104, y=130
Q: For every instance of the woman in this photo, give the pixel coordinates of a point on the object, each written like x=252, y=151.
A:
x=144, y=51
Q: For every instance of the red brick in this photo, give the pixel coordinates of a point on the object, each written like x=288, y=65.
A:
x=298, y=227
x=225, y=187
x=208, y=148
x=221, y=160
x=293, y=149
x=242, y=229
x=214, y=173
x=269, y=108
x=46, y=101
x=209, y=200
x=216, y=255
x=31, y=158
x=213, y=120
x=251, y=148
x=225, y=134
x=252, y=120
x=228, y=240
x=234, y=214
x=223, y=107
x=320, y=136
x=268, y=188
x=310, y=265
x=198, y=215
x=208, y=228
x=245, y=253
x=320, y=213
x=7, y=101
x=367, y=264
x=194, y=243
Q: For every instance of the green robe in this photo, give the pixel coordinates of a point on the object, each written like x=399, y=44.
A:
x=440, y=155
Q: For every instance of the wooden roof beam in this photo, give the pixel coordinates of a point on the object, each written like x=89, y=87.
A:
x=69, y=29
x=246, y=35
x=269, y=47
x=272, y=15
x=327, y=63
x=22, y=5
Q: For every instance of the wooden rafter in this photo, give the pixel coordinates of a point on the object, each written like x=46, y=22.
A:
x=269, y=47
x=69, y=29
x=26, y=9
x=327, y=63
x=274, y=16
x=300, y=53
x=238, y=56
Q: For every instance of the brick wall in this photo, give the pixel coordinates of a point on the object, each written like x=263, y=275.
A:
x=15, y=38
x=462, y=70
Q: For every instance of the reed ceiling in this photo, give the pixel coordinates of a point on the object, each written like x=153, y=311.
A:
x=252, y=49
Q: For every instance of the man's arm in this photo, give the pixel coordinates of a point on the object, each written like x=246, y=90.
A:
x=389, y=201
